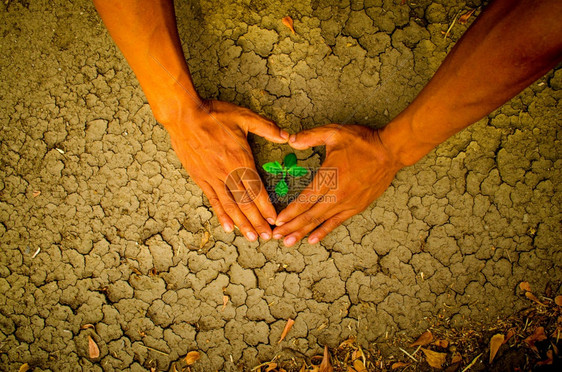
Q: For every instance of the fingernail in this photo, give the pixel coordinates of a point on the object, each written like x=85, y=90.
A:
x=313, y=240
x=277, y=236
x=251, y=236
x=279, y=223
x=227, y=227
x=290, y=240
x=284, y=134
x=265, y=236
x=271, y=221
x=292, y=138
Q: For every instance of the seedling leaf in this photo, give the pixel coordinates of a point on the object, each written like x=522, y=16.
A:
x=273, y=167
x=281, y=188
x=297, y=171
x=290, y=160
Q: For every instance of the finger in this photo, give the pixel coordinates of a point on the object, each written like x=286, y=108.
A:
x=258, y=194
x=313, y=137
x=303, y=224
x=327, y=226
x=311, y=195
x=224, y=219
x=267, y=129
x=238, y=217
x=245, y=199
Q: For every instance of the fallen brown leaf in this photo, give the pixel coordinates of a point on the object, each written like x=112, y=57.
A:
x=93, y=349
x=549, y=359
x=399, y=365
x=326, y=366
x=288, y=21
x=192, y=357
x=558, y=300
x=456, y=358
x=271, y=367
x=349, y=342
x=286, y=330
x=525, y=286
x=495, y=342
x=532, y=297
x=86, y=326
x=423, y=340
x=152, y=369
x=36, y=193
x=441, y=343
x=433, y=358
x=224, y=302
x=538, y=335
x=204, y=239
x=24, y=367
x=464, y=18
x=509, y=335
x=359, y=366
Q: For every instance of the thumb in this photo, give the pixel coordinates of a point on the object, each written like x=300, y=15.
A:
x=267, y=129
x=319, y=136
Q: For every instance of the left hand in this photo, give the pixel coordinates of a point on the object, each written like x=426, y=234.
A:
x=365, y=169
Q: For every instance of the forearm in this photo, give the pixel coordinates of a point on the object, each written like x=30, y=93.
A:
x=146, y=34
x=513, y=43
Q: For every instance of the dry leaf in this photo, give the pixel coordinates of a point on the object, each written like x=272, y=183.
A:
x=288, y=21
x=287, y=328
x=204, y=239
x=93, y=349
x=549, y=359
x=86, y=326
x=532, y=297
x=36, y=193
x=399, y=365
x=464, y=18
x=224, y=302
x=349, y=369
x=525, y=286
x=434, y=359
x=456, y=358
x=152, y=369
x=192, y=357
x=558, y=300
x=423, y=340
x=303, y=369
x=24, y=367
x=509, y=335
x=538, y=335
x=441, y=343
x=271, y=367
x=495, y=342
x=325, y=366
x=349, y=342
x=359, y=366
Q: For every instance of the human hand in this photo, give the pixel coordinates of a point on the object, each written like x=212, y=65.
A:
x=211, y=143
x=365, y=169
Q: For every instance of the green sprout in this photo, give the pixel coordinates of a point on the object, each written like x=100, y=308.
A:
x=289, y=167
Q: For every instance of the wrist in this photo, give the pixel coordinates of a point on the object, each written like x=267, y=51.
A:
x=400, y=139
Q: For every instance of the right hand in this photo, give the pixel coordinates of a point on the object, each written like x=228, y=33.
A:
x=211, y=143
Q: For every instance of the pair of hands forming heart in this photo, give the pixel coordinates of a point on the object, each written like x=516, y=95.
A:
x=212, y=146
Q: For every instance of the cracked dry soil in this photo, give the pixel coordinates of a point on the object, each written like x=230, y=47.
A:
x=119, y=223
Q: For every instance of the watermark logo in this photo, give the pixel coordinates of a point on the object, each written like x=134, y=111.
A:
x=245, y=184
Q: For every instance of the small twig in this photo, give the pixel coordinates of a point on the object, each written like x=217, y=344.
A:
x=418, y=349
x=153, y=349
x=451, y=26
x=408, y=354
x=471, y=363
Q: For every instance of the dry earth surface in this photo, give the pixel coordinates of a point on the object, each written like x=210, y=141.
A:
x=99, y=223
